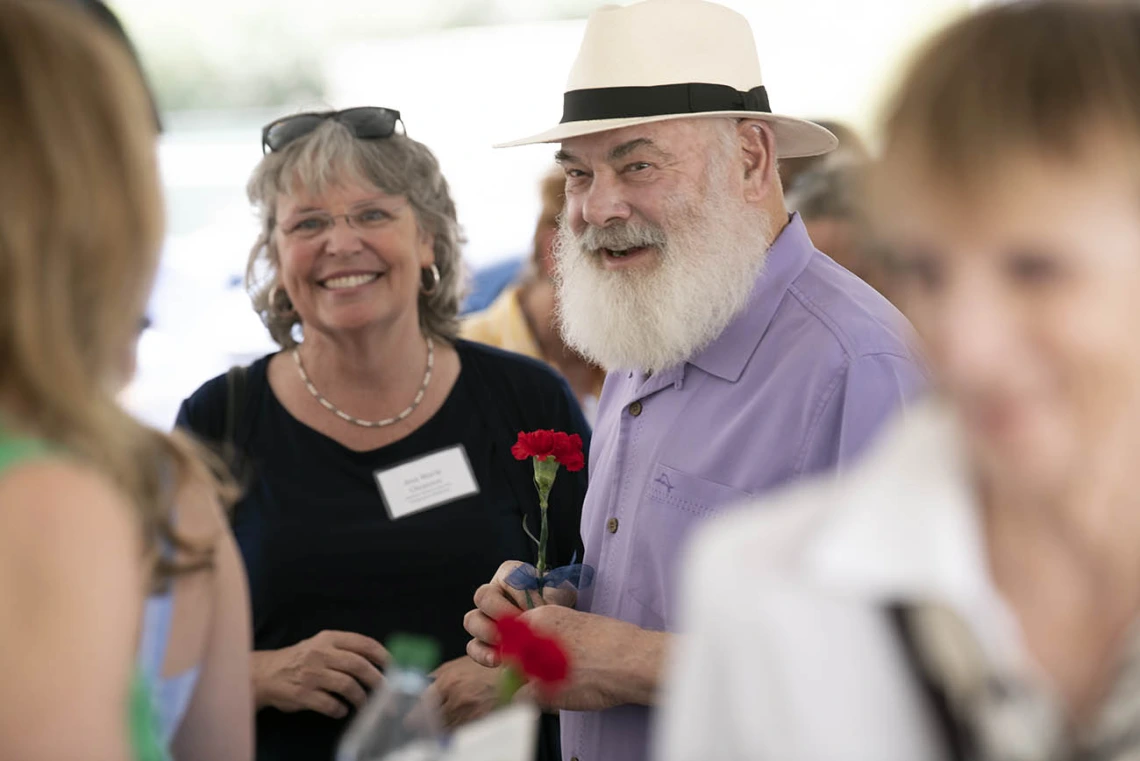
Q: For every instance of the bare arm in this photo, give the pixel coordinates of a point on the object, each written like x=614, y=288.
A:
x=70, y=594
x=218, y=725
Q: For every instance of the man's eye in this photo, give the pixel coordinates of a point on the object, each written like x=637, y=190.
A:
x=637, y=166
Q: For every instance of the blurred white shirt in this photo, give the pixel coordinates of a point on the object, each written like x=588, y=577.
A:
x=788, y=652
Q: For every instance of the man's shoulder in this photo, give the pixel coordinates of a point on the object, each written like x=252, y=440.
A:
x=841, y=311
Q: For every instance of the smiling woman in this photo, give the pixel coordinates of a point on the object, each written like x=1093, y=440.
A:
x=356, y=276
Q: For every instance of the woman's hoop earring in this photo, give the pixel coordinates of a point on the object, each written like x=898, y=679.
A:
x=435, y=278
x=273, y=307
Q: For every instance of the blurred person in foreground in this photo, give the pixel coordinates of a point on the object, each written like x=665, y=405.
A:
x=523, y=319
x=89, y=498
x=356, y=275
x=831, y=200
x=972, y=591
x=740, y=356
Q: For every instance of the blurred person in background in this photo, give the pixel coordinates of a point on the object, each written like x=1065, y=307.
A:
x=89, y=498
x=972, y=591
x=831, y=199
x=356, y=276
x=523, y=319
x=851, y=150
x=740, y=357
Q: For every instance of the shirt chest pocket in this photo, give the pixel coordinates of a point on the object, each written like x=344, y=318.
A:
x=675, y=505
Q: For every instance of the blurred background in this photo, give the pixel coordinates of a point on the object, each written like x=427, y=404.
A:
x=465, y=74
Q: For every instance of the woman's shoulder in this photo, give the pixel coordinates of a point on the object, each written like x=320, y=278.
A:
x=528, y=392
x=203, y=412
x=62, y=496
x=498, y=365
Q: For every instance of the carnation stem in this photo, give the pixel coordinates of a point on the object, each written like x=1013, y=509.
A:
x=543, y=535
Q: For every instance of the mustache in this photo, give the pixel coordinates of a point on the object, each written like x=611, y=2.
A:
x=619, y=236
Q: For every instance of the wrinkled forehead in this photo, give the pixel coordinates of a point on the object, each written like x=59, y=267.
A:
x=673, y=138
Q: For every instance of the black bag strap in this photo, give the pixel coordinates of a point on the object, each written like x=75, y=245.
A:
x=237, y=383
x=236, y=380
x=955, y=739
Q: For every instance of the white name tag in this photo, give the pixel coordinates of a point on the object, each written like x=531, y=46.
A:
x=426, y=482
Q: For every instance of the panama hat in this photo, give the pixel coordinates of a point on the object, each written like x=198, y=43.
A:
x=659, y=60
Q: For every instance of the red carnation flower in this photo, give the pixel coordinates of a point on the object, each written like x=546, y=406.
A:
x=568, y=451
x=547, y=451
x=538, y=444
x=546, y=662
x=514, y=636
x=563, y=447
x=540, y=658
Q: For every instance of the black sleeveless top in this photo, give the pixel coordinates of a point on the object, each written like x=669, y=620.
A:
x=321, y=551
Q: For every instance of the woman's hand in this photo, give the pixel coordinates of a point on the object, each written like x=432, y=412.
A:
x=314, y=673
x=465, y=691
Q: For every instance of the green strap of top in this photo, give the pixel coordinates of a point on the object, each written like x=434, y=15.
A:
x=13, y=450
x=145, y=737
x=144, y=724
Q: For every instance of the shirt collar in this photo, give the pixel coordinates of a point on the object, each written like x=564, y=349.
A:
x=727, y=356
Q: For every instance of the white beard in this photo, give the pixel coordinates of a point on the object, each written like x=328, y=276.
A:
x=650, y=319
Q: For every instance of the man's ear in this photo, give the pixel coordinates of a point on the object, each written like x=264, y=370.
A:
x=758, y=144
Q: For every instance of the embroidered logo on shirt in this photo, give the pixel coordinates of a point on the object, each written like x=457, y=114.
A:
x=663, y=479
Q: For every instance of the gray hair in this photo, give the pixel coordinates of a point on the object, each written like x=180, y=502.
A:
x=829, y=192
x=397, y=165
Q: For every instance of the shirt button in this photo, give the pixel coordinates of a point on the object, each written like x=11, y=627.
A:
x=635, y=409
x=612, y=525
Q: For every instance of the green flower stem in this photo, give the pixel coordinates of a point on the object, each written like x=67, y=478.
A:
x=543, y=536
x=510, y=682
x=545, y=472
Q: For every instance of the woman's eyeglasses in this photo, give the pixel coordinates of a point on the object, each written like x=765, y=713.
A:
x=316, y=224
x=365, y=123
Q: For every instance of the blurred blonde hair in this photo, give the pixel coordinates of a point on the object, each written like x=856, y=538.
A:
x=552, y=196
x=552, y=191
x=80, y=229
x=397, y=165
x=1046, y=79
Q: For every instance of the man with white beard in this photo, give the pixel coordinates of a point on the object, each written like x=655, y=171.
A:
x=739, y=356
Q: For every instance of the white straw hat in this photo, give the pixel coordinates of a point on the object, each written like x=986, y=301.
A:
x=671, y=59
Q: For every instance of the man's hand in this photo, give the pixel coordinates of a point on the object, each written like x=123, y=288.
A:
x=306, y=676
x=498, y=599
x=611, y=662
x=464, y=691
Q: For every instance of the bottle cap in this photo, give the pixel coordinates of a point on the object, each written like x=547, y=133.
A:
x=414, y=652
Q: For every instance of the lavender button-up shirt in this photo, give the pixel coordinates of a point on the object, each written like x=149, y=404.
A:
x=798, y=383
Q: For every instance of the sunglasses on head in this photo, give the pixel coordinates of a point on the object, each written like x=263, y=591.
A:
x=366, y=123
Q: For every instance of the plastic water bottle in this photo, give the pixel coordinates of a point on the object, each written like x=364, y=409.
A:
x=397, y=723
